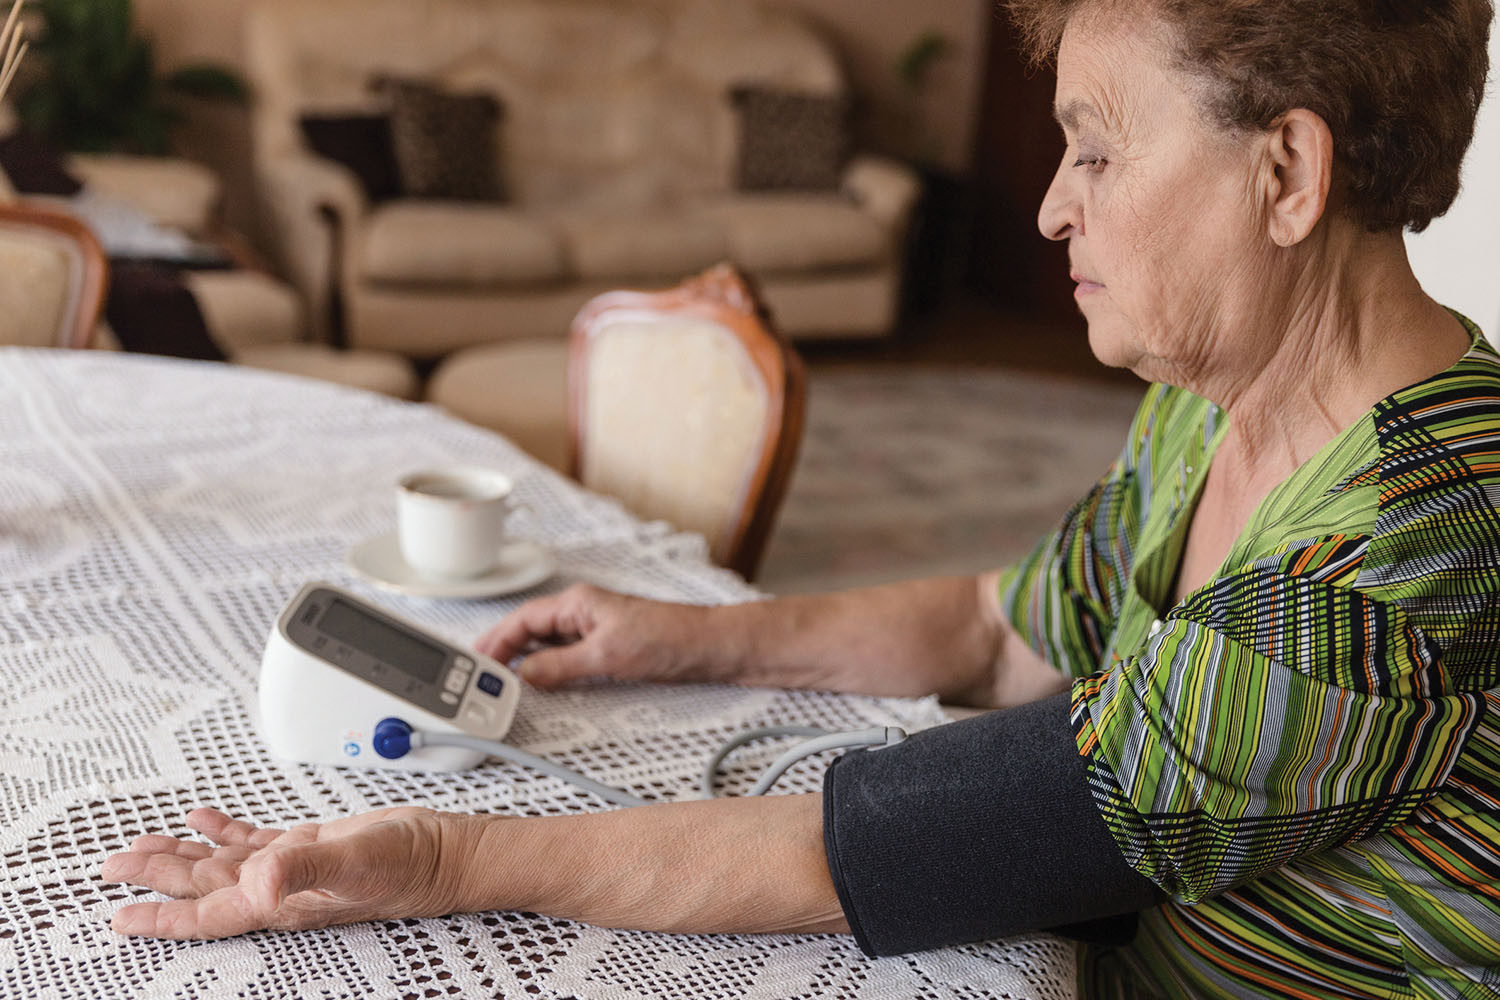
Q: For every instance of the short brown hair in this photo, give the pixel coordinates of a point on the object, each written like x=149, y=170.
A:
x=1398, y=82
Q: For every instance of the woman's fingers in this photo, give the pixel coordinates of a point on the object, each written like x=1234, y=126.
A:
x=384, y=862
x=230, y=832
x=156, y=843
x=224, y=913
x=172, y=874
x=548, y=668
x=546, y=618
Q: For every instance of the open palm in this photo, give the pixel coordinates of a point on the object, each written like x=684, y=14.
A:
x=387, y=863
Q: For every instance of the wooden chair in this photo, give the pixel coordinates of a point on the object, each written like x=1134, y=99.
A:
x=53, y=276
x=687, y=406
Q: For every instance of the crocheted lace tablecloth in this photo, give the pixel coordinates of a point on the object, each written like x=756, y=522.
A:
x=155, y=516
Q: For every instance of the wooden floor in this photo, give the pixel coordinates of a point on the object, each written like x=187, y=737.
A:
x=971, y=333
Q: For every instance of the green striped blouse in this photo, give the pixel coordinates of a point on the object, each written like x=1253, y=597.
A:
x=1304, y=754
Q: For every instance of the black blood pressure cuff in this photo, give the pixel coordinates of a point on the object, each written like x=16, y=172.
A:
x=979, y=829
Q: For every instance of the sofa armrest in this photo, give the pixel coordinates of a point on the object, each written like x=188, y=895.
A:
x=314, y=209
x=885, y=188
x=176, y=193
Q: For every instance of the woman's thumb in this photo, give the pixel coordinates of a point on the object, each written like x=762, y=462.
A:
x=278, y=872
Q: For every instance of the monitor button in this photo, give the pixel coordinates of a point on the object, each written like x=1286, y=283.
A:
x=490, y=684
x=463, y=663
x=456, y=681
x=477, y=716
x=449, y=697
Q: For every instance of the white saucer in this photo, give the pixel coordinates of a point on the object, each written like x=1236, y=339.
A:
x=522, y=564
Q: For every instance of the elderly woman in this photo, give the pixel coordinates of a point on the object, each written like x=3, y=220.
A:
x=1246, y=691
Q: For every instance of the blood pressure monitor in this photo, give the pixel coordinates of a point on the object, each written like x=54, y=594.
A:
x=336, y=665
x=343, y=682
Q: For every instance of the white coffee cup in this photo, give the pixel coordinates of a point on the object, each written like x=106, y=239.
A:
x=450, y=522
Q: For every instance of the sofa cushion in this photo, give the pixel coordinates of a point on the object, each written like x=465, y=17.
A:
x=655, y=246
x=447, y=243
x=376, y=371
x=244, y=308
x=771, y=233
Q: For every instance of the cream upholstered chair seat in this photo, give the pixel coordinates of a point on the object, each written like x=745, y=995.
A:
x=683, y=404
x=53, y=275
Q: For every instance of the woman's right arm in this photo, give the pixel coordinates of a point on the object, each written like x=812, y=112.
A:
x=944, y=636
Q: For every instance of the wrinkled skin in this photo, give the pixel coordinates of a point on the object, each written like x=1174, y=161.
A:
x=386, y=863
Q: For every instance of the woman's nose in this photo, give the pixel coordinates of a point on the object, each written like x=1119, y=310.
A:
x=1061, y=214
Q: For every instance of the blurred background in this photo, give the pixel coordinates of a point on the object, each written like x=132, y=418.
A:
x=954, y=408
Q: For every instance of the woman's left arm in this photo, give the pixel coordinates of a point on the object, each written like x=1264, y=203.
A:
x=729, y=865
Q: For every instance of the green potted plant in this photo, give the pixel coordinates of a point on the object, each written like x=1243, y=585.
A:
x=95, y=85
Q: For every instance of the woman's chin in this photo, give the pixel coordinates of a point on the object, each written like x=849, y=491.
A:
x=1110, y=347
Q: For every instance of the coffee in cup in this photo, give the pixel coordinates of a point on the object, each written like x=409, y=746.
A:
x=450, y=522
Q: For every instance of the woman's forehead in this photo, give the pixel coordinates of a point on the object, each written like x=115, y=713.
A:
x=1112, y=72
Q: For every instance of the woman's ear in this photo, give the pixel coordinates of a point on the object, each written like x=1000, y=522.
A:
x=1300, y=146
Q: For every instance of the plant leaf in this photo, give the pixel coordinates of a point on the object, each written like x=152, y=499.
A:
x=209, y=81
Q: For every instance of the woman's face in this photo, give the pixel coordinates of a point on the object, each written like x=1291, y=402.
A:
x=1159, y=208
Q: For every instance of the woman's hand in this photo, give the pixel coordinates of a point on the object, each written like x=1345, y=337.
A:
x=728, y=865
x=586, y=632
x=943, y=636
x=389, y=863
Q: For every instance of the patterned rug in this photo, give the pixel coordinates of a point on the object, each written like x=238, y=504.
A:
x=910, y=473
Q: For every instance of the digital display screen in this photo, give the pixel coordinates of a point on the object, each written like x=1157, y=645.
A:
x=353, y=627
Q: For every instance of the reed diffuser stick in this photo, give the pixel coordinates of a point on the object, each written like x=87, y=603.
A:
x=13, y=46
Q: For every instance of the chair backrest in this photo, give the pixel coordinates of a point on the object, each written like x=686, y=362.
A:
x=687, y=405
x=53, y=275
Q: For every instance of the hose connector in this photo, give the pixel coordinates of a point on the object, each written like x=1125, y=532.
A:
x=391, y=738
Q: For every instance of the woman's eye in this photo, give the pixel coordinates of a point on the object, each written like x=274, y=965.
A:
x=1094, y=163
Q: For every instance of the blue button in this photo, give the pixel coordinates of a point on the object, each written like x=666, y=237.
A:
x=351, y=749
x=490, y=684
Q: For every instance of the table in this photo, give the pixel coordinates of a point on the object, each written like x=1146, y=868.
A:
x=155, y=515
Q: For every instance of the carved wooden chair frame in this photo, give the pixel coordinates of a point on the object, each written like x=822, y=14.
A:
x=93, y=278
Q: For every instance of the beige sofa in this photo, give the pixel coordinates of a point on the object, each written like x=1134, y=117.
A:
x=617, y=150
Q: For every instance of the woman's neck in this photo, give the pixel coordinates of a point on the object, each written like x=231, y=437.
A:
x=1343, y=336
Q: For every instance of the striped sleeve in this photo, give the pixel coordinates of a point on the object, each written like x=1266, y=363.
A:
x=1274, y=715
x=1064, y=597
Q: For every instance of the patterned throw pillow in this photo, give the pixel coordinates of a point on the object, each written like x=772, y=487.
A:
x=791, y=141
x=445, y=144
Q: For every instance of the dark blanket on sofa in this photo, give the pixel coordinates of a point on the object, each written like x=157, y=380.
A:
x=152, y=311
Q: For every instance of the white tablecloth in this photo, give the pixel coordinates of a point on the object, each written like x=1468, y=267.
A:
x=154, y=517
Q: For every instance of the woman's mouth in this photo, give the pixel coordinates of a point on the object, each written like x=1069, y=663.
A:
x=1086, y=286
